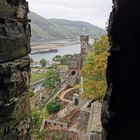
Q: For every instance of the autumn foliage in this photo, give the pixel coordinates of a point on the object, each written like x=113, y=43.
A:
x=94, y=70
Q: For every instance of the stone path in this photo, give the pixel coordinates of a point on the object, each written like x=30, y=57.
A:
x=63, y=95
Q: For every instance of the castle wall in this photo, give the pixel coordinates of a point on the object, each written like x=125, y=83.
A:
x=15, y=118
x=121, y=113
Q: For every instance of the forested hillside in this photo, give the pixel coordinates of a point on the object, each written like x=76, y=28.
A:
x=58, y=29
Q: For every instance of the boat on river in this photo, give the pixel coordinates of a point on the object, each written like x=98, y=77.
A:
x=44, y=51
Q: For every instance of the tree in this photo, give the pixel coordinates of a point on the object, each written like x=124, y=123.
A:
x=76, y=55
x=94, y=70
x=37, y=118
x=53, y=107
x=57, y=58
x=65, y=59
x=43, y=62
x=52, y=78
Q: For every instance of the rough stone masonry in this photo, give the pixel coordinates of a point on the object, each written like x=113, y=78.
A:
x=121, y=115
x=14, y=70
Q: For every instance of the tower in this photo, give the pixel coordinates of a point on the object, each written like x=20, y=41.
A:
x=84, y=44
x=74, y=65
x=74, y=71
x=84, y=48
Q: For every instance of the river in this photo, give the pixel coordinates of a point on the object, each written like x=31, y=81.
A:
x=73, y=49
x=63, y=46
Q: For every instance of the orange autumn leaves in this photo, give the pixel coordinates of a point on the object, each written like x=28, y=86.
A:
x=94, y=70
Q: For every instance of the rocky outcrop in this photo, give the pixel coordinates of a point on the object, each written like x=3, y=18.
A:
x=121, y=113
x=14, y=70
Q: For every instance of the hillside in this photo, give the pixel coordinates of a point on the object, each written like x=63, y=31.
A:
x=57, y=29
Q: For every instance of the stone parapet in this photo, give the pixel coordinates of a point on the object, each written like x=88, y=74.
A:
x=15, y=78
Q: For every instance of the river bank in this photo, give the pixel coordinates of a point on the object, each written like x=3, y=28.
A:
x=56, y=44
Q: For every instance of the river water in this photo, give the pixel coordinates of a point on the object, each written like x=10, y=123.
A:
x=73, y=49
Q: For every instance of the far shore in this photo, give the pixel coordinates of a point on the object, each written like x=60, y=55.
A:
x=57, y=44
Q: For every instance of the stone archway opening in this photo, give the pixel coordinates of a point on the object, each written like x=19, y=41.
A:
x=73, y=73
x=76, y=102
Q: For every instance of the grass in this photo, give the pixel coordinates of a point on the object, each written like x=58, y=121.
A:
x=63, y=67
x=37, y=76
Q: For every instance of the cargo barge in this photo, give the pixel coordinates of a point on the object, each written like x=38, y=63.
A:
x=44, y=51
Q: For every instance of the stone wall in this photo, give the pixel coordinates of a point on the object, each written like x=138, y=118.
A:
x=56, y=124
x=14, y=70
x=121, y=113
x=83, y=124
x=89, y=122
x=94, y=125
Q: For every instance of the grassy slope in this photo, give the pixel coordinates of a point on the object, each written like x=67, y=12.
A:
x=37, y=76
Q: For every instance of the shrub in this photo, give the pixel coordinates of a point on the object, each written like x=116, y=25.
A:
x=31, y=93
x=53, y=107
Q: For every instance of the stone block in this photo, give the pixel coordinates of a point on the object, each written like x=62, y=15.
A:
x=15, y=31
x=17, y=108
x=14, y=41
x=14, y=9
x=15, y=119
x=15, y=79
x=95, y=136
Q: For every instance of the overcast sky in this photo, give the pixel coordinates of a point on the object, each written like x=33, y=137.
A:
x=93, y=11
